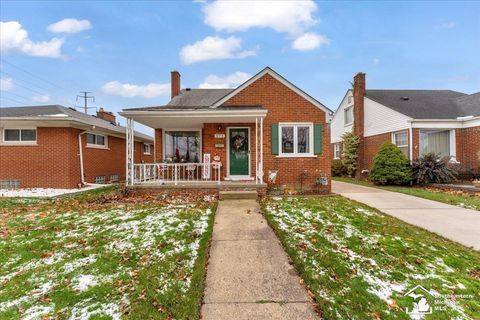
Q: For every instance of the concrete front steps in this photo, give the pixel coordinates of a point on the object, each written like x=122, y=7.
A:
x=238, y=194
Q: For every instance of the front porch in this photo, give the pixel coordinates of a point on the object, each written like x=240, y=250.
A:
x=214, y=148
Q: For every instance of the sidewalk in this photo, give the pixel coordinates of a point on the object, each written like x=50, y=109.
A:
x=457, y=224
x=248, y=275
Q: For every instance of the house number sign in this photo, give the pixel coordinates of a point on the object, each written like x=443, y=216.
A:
x=219, y=135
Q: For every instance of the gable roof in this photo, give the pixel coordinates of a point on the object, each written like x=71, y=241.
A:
x=428, y=104
x=198, y=97
x=277, y=76
x=58, y=112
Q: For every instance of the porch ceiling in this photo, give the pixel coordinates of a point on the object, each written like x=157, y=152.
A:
x=192, y=118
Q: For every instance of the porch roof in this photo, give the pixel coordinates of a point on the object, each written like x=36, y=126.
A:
x=193, y=116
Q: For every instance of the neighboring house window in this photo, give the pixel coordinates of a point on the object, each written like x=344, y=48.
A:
x=350, y=98
x=147, y=148
x=336, y=150
x=114, y=178
x=20, y=135
x=435, y=141
x=100, y=179
x=182, y=146
x=348, y=115
x=400, y=139
x=96, y=140
x=295, y=139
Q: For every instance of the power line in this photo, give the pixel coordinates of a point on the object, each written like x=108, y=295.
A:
x=85, y=97
x=28, y=82
x=17, y=95
x=13, y=100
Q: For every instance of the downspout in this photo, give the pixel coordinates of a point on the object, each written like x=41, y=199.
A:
x=80, y=152
x=410, y=133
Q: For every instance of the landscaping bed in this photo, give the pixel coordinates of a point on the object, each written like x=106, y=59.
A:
x=360, y=264
x=454, y=197
x=104, y=255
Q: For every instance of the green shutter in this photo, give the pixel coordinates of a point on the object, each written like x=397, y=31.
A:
x=274, y=138
x=317, y=138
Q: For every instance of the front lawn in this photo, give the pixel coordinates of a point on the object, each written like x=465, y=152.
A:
x=102, y=255
x=455, y=199
x=359, y=263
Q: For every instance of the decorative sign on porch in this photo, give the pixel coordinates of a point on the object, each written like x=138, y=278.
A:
x=206, y=167
x=219, y=145
x=219, y=135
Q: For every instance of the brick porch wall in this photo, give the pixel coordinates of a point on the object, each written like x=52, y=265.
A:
x=468, y=148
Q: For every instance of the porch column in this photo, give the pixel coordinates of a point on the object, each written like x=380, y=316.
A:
x=261, y=150
x=256, y=150
x=130, y=142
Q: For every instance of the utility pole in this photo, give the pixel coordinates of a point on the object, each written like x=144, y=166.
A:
x=85, y=96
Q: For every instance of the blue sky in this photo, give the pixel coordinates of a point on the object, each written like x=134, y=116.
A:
x=124, y=51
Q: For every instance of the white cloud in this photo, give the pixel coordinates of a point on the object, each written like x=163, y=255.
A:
x=44, y=98
x=126, y=90
x=69, y=26
x=6, y=84
x=292, y=17
x=214, y=48
x=230, y=81
x=376, y=61
x=309, y=41
x=446, y=25
x=14, y=38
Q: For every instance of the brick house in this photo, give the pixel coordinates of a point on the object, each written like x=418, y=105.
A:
x=445, y=122
x=39, y=147
x=265, y=132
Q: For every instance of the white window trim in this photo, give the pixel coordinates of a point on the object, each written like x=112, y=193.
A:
x=295, y=153
x=344, y=115
x=452, y=140
x=18, y=143
x=394, y=141
x=200, y=147
x=149, y=152
x=97, y=146
x=336, y=148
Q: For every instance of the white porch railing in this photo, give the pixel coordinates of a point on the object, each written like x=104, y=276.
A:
x=175, y=173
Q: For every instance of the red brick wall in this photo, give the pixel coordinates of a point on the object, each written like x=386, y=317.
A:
x=53, y=162
x=468, y=148
x=371, y=146
x=284, y=105
x=158, y=145
x=359, y=86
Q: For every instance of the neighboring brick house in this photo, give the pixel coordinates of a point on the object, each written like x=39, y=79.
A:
x=39, y=147
x=445, y=122
x=265, y=132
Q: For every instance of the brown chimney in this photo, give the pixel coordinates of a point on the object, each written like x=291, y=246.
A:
x=359, y=103
x=359, y=119
x=175, y=83
x=106, y=115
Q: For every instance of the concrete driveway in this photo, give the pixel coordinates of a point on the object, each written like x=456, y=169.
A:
x=458, y=224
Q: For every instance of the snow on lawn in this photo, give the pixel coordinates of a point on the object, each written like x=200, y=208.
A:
x=360, y=263
x=44, y=192
x=78, y=265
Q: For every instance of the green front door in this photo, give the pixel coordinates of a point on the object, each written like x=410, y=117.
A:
x=239, y=151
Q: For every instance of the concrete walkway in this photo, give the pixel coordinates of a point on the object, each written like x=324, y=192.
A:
x=248, y=275
x=455, y=223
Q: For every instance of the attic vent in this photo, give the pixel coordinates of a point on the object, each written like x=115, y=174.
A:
x=405, y=98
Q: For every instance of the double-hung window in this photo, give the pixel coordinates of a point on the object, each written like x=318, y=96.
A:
x=348, y=115
x=400, y=139
x=20, y=136
x=96, y=140
x=336, y=150
x=296, y=139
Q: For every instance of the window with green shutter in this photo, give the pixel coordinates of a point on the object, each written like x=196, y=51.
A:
x=274, y=138
x=317, y=138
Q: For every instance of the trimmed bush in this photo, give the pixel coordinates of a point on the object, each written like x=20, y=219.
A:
x=338, y=169
x=390, y=166
x=431, y=168
x=350, y=143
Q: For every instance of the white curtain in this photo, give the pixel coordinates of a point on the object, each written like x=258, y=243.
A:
x=435, y=141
